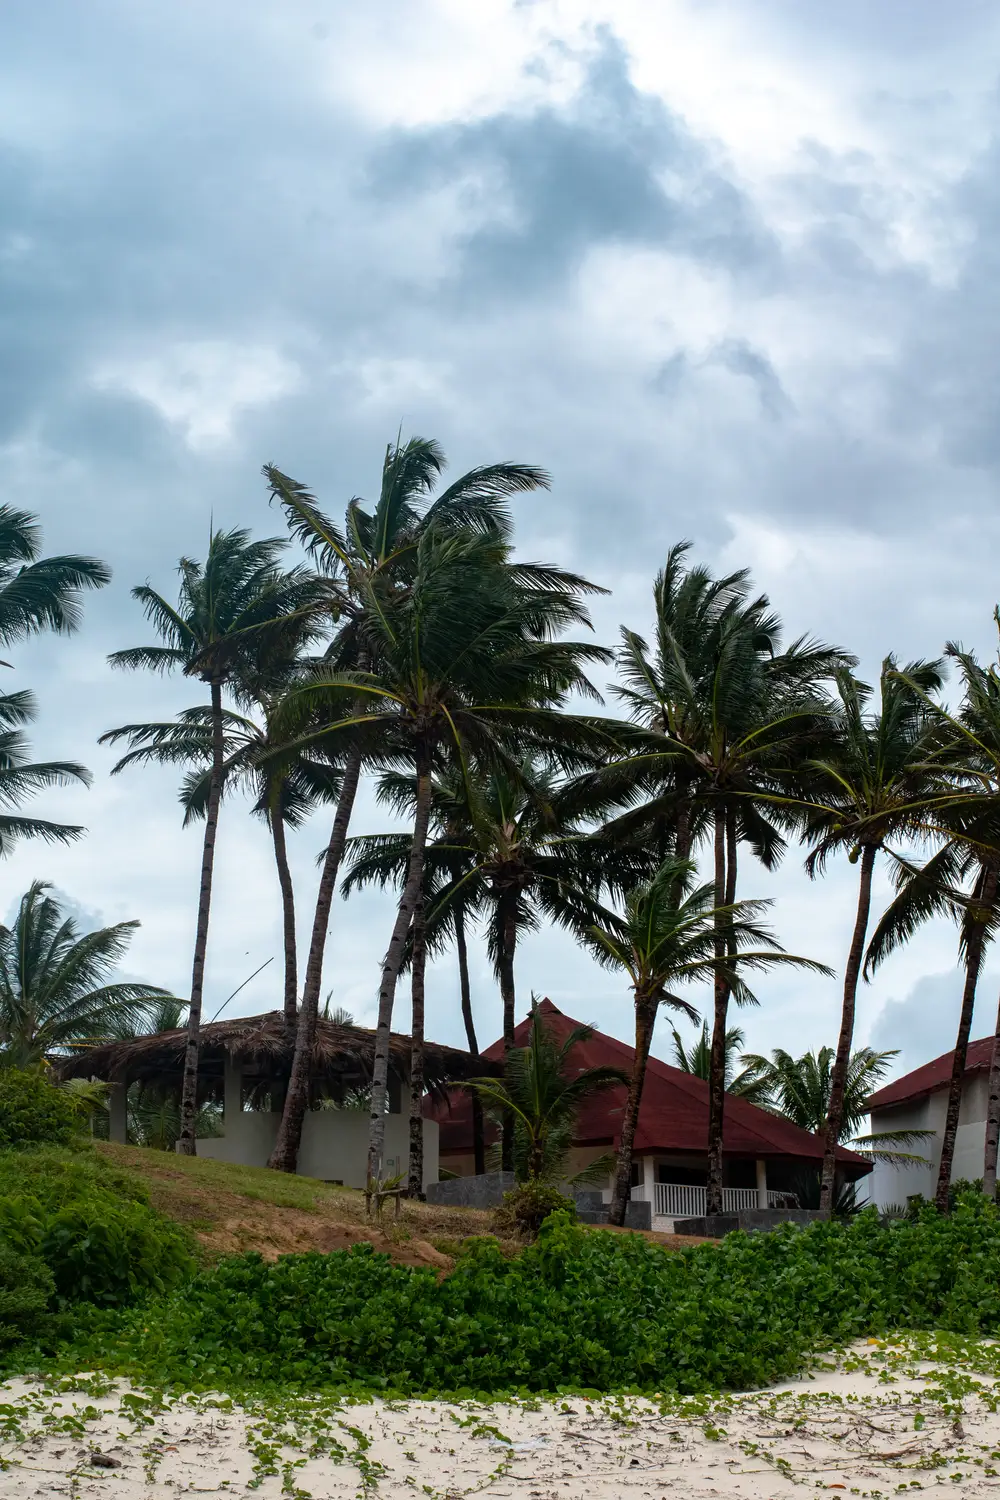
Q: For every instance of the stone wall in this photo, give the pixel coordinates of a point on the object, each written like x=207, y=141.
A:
x=753, y=1220
x=487, y=1190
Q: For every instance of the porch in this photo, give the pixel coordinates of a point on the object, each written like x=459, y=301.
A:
x=682, y=1200
x=675, y=1187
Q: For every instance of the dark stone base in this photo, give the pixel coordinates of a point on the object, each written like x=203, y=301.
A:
x=752, y=1220
x=487, y=1190
x=591, y=1209
x=484, y=1191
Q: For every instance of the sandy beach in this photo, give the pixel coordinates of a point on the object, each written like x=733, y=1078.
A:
x=881, y=1420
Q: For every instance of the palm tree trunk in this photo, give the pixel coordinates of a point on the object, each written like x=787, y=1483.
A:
x=842, y=1061
x=415, y=1185
x=284, y=1157
x=189, y=1086
x=645, y=1017
x=725, y=894
x=478, y=1139
x=291, y=1003
x=993, y=1118
x=985, y=898
x=507, y=915
x=391, y=966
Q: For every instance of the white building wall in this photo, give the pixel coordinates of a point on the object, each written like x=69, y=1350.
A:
x=334, y=1144
x=895, y=1184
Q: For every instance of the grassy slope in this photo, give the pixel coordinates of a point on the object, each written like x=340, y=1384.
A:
x=232, y=1209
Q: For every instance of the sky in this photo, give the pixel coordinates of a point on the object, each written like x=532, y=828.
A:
x=727, y=271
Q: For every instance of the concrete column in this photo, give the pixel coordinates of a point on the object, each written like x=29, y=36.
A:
x=232, y=1097
x=118, y=1113
x=762, y=1184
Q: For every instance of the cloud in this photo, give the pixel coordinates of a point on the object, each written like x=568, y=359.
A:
x=546, y=186
x=722, y=282
x=924, y=1023
x=201, y=388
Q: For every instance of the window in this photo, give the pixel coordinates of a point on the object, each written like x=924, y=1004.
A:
x=636, y=1173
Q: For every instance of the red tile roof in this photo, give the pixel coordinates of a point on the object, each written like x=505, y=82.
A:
x=933, y=1076
x=673, y=1115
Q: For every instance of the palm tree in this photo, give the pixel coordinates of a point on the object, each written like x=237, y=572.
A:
x=799, y=1088
x=36, y=594
x=232, y=612
x=20, y=777
x=375, y=550
x=872, y=785
x=662, y=941
x=961, y=880
x=464, y=666
x=383, y=860
x=39, y=594
x=503, y=850
x=697, y=1060
x=284, y=792
x=544, y=1092
x=56, y=985
x=724, y=719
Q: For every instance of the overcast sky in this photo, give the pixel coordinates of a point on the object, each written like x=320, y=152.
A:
x=727, y=270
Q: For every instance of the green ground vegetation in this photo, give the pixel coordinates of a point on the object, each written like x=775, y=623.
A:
x=93, y=1276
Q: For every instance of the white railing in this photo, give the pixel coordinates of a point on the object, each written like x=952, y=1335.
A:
x=677, y=1200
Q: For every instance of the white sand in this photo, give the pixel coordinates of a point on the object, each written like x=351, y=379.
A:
x=878, y=1424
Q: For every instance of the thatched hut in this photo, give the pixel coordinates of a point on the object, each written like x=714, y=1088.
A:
x=244, y=1065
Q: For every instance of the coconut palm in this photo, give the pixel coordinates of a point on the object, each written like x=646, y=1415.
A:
x=232, y=611
x=544, y=1092
x=798, y=1088
x=374, y=551
x=383, y=860
x=724, y=718
x=873, y=784
x=660, y=942
x=961, y=879
x=464, y=666
x=697, y=1060
x=36, y=594
x=501, y=849
x=21, y=777
x=284, y=792
x=56, y=983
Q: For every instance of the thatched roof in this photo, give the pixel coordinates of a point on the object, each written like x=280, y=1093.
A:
x=342, y=1055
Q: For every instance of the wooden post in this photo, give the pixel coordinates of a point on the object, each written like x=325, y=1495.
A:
x=118, y=1112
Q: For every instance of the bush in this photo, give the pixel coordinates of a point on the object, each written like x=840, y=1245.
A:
x=578, y=1309
x=523, y=1210
x=26, y=1290
x=90, y=1226
x=33, y=1111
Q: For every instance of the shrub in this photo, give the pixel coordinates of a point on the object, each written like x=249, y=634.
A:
x=112, y=1254
x=523, y=1210
x=578, y=1309
x=26, y=1290
x=33, y=1111
x=90, y=1225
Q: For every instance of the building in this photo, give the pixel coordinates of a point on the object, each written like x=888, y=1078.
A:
x=766, y=1157
x=244, y=1065
x=918, y=1101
